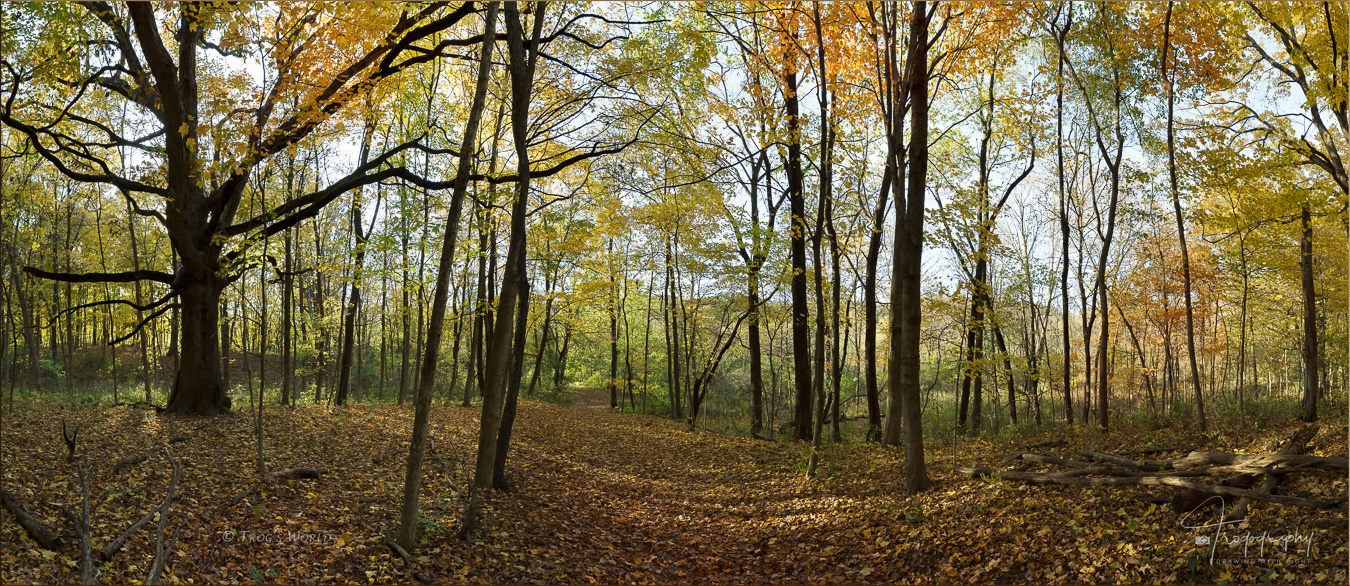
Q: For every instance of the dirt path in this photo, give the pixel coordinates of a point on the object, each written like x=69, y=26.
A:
x=591, y=398
x=638, y=499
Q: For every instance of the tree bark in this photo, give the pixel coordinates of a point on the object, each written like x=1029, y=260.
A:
x=613, y=332
x=905, y=298
x=870, y=306
x=1310, y=391
x=801, y=346
x=198, y=388
x=513, y=386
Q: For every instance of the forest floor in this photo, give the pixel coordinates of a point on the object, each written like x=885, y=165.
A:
x=599, y=496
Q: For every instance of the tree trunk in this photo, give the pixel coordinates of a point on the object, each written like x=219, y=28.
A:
x=1063, y=224
x=456, y=334
x=613, y=332
x=560, y=373
x=30, y=340
x=909, y=245
x=513, y=386
x=674, y=338
x=870, y=306
x=543, y=333
x=354, y=299
x=756, y=360
x=405, y=314
x=1007, y=368
x=1181, y=223
x=198, y=388
x=422, y=408
x=971, y=374
x=1310, y=390
x=499, y=355
x=1242, y=336
x=287, y=368
x=136, y=266
x=801, y=346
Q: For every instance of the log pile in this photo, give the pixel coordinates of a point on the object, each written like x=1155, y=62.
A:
x=1238, y=474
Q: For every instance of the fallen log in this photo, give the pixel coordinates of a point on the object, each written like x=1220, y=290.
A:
x=162, y=552
x=1294, y=445
x=1045, y=478
x=127, y=463
x=294, y=473
x=81, y=525
x=1040, y=459
x=1263, y=463
x=1151, y=451
x=1190, y=500
x=39, y=532
x=234, y=501
x=1106, y=470
x=1123, y=461
x=115, y=545
x=1047, y=444
x=1329, y=523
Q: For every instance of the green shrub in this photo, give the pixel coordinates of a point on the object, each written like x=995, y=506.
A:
x=51, y=370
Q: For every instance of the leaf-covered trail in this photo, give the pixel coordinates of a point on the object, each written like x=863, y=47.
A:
x=611, y=497
x=642, y=499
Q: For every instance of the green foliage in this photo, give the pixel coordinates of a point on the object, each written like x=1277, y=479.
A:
x=51, y=370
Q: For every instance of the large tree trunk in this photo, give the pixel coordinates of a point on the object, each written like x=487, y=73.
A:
x=673, y=333
x=906, y=310
x=198, y=388
x=756, y=367
x=972, y=373
x=1063, y=225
